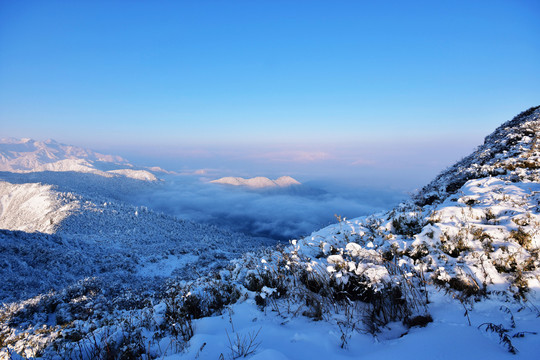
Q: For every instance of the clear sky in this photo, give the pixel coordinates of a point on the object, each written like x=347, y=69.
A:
x=275, y=81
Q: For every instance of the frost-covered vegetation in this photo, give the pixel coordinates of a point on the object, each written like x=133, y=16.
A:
x=460, y=260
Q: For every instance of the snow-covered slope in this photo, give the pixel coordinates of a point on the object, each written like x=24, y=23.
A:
x=452, y=273
x=258, y=182
x=27, y=155
x=30, y=208
x=511, y=152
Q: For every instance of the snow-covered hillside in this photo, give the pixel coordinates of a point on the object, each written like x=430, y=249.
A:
x=30, y=207
x=452, y=273
x=102, y=236
x=259, y=182
x=27, y=155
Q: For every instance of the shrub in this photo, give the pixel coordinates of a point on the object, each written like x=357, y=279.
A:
x=521, y=237
x=407, y=225
x=454, y=245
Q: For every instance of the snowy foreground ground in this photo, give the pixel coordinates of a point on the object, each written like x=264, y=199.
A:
x=452, y=273
x=448, y=337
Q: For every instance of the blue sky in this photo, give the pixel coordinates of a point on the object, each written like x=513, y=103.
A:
x=269, y=82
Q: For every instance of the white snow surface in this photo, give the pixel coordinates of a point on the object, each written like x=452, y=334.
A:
x=258, y=182
x=297, y=338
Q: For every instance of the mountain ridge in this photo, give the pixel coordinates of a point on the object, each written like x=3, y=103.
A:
x=28, y=155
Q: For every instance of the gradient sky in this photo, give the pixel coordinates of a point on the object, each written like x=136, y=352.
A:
x=272, y=82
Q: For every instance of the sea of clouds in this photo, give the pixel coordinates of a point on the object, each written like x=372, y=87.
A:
x=282, y=213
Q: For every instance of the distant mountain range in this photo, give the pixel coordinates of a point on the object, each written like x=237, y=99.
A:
x=27, y=155
x=258, y=182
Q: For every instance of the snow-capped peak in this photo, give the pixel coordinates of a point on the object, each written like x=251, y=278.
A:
x=27, y=154
x=286, y=181
x=258, y=182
